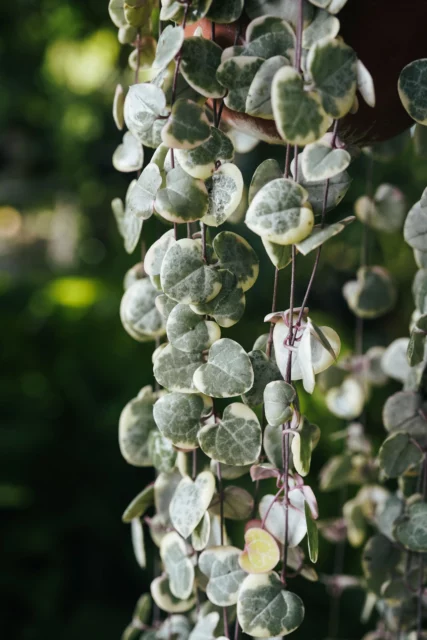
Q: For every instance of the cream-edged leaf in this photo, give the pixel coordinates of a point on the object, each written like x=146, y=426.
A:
x=279, y=397
x=141, y=198
x=190, y=502
x=227, y=373
x=138, y=311
x=225, y=190
x=221, y=566
x=229, y=305
x=189, y=332
x=143, y=104
x=178, y=566
x=187, y=126
x=321, y=161
x=165, y=600
x=236, y=255
x=201, y=161
x=129, y=155
x=178, y=417
x=155, y=254
x=199, y=63
x=168, y=46
x=174, y=369
x=258, y=100
x=320, y=235
x=136, y=422
x=236, y=75
x=413, y=89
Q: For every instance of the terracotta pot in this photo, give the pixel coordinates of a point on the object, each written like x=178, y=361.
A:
x=387, y=35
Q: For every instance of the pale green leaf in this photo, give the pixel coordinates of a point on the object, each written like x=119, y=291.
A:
x=338, y=187
x=200, y=61
x=227, y=373
x=265, y=172
x=187, y=126
x=304, y=441
x=379, y=559
x=348, y=400
x=229, y=305
x=168, y=46
x=298, y=114
x=118, y=107
x=185, y=277
x=221, y=566
x=398, y=455
x=265, y=371
x=280, y=212
x=394, y=362
x=138, y=312
x=237, y=502
x=140, y=504
x=413, y=90
x=162, y=452
x=184, y=199
x=275, y=520
x=258, y=100
x=415, y=228
x=155, y=254
x=235, y=439
x=279, y=397
x=236, y=75
x=165, y=305
x=178, y=416
x=136, y=422
x=138, y=543
x=205, y=627
x=236, y=255
x=164, y=598
x=333, y=66
x=320, y=235
x=405, y=411
x=312, y=535
x=201, y=161
x=143, y=104
x=190, y=502
x=178, y=566
x=174, y=369
x=142, y=196
x=324, y=25
x=416, y=346
x=365, y=84
x=279, y=254
x=411, y=529
x=225, y=190
x=321, y=161
x=129, y=225
x=386, y=211
x=189, y=332
x=265, y=608
x=200, y=535
x=373, y=293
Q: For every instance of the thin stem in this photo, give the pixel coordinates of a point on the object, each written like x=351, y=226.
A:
x=176, y=73
x=273, y=309
x=236, y=630
x=138, y=55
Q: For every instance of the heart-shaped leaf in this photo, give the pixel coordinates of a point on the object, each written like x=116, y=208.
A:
x=237, y=503
x=261, y=552
x=165, y=305
x=280, y=212
x=140, y=504
x=178, y=566
x=187, y=127
x=394, y=362
x=235, y=439
x=225, y=190
x=189, y=332
x=178, y=416
x=162, y=452
x=229, y=305
x=379, y=559
x=227, y=373
x=415, y=228
x=136, y=422
x=405, y=411
x=185, y=277
x=138, y=312
x=143, y=104
x=269, y=36
x=333, y=67
x=411, y=529
x=265, y=172
x=365, y=84
x=174, y=369
x=205, y=627
x=258, y=100
x=320, y=235
x=129, y=156
x=304, y=441
x=117, y=13
x=399, y=454
x=190, y=502
x=176, y=11
x=347, y=400
x=412, y=89
x=272, y=443
x=155, y=254
x=236, y=255
x=221, y=566
x=168, y=46
x=265, y=371
x=129, y=225
x=164, y=598
x=298, y=114
x=184, y=199
x=199, y=63
x=338, y=187
x=275, y=520
x=201, y=161
x=324, y=25
x=386, y=211
x=236, y=75
x=321, y=161
x=373, y=293
x=285, y=9
x=165, y=486
x=225, y=11
x=279, y=397
x=266, y=609
x=175, y=626
x=141, y=198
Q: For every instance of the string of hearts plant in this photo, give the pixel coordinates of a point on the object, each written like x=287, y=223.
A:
x=287, y=66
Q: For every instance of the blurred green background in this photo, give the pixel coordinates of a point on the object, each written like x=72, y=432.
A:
x=67, y=567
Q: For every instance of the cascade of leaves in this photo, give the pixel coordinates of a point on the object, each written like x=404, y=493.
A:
x=290, y=66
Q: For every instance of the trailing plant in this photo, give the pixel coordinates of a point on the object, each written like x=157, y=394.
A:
x=289, y=67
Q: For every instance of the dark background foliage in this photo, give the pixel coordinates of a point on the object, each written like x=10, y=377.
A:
x=67, y=569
